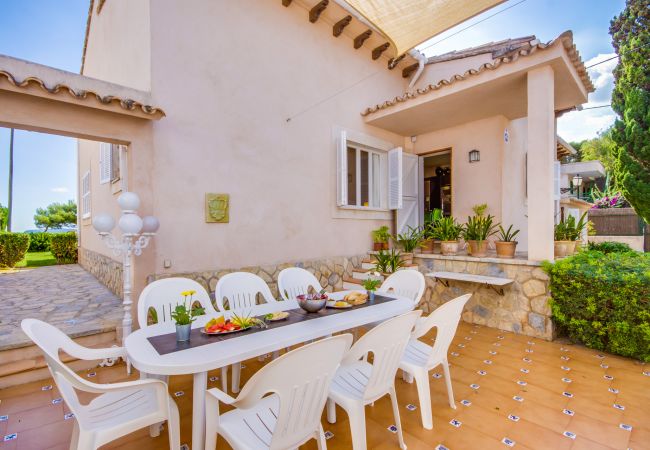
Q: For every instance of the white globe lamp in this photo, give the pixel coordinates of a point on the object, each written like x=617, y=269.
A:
x=103, y=223
x=150, y=224
x=130, y=223
x=129, y=201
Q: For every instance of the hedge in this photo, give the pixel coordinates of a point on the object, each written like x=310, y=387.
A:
x=603, y=300
x=39, y=242
x=610, y=247
x=13, y=247
x=64, y=247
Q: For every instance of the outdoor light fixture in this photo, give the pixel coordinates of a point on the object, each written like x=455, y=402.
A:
x=577, y=182
x=474, y=156
x=136, y=233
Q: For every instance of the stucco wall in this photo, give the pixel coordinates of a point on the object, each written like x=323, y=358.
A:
x=472, y=183
x=118, y=47
x=229, y=77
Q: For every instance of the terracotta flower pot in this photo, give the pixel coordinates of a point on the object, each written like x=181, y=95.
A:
x=427, y=246
x=376, y=246
x=478, y=248
x=407, y=258
x=449, y=247
x=506, y=249
x=564, y=248
x=436, y=247
x=384, y=246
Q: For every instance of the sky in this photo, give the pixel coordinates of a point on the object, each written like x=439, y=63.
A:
x=52, y=33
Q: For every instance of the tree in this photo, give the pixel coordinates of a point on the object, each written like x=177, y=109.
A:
x=602, y=148
x=631, y=101
x=4, y=217
x=56, y=216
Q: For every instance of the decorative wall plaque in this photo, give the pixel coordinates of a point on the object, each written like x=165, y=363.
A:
x=217, y=208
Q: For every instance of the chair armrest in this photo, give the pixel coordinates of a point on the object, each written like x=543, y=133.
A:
x=88, y=354
x=221, y=396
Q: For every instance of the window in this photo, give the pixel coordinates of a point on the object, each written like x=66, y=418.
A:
x=363, y=176
x=85, y=195
x=369, y=172
x=109, y=162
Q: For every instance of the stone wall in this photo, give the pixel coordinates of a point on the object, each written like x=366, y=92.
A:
x=329, y=272
x=524, y=307
x=106, y=270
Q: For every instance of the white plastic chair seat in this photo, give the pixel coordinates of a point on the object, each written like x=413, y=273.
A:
x=350, y=382
x=417, y=354
x=251, y=428
x=137, y=406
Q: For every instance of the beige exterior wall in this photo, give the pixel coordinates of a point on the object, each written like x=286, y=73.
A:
x=118, y=46
x=226, y=131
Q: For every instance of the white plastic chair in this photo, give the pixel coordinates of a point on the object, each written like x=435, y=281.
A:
x=408, y=283
x=295, y=281
x=118, y=409
x=163, y=296
x=298, y=383
x=419, y=358
x=358, y=383
x=240, y=289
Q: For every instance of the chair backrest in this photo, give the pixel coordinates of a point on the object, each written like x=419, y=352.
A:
x=50, y=340
x=295, y=281
x=445, y=318
x=241, y=289
x=387, y=342
x=301, y=380
x=163, y=296
x=407, y=283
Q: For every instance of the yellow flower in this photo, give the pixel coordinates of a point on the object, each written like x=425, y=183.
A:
x=187, y=293
x=191, y=292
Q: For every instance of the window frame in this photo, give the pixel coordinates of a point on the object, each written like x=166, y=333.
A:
x=86, y=199
x=372, y=178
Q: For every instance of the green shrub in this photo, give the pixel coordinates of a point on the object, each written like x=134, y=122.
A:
x=64, y=247
x=13, y=247
x=603, y=300
x=610, y=247
x=39, y=242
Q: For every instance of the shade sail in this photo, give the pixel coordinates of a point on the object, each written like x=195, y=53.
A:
x=408, y=23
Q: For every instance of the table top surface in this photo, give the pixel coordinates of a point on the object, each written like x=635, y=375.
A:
x=145, y=358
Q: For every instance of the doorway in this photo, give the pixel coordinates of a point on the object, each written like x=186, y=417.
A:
x=437, y=183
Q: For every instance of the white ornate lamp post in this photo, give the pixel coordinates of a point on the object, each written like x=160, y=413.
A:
x=136, y=234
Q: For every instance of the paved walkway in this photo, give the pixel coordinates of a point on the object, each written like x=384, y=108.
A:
x=66, y=296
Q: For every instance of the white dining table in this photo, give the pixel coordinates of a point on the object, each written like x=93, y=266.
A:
x=199, y=360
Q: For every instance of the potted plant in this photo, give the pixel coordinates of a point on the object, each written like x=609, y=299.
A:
x=448, y=231
x=430, y=242
x=567, y=234
x=183, y=315
x=409, y=241
x=387, y=262
x=380, y=238
x=476, y=232
x=371, y=285
x=506, y=244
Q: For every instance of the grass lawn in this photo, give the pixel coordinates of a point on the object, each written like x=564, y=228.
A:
x=37, y=259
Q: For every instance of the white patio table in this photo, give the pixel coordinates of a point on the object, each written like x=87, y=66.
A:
x=199, y=360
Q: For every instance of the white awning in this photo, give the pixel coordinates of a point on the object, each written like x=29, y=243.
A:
x=408, y=23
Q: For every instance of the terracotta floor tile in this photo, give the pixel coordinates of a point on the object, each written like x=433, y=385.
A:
x=34, y=418
x=582, y=443
x=47, y=435
x=605, y=413
x=599, y=431
x=490, y=422
x=25, y=402
x=466, y=437
x=541, y=396
x=553, y=419
x=536, y=436
x=639, y=438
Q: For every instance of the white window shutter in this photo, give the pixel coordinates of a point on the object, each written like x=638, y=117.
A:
x=342, y=169
x=105, y=163
x=557, y=169
x=395, y=178
x=85, y=195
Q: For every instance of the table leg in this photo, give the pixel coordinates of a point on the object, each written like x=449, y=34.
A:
x=198, y=410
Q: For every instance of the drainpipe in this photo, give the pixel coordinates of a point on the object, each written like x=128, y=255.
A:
x=422, y=59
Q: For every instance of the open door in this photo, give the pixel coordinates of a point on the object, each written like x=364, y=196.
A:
x=409, y=213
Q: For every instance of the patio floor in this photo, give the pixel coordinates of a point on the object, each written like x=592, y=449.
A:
x=65, y=296
x=527, y=390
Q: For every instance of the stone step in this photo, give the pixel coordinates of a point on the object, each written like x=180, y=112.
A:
x=352, y=284
x=363, y=274
x=26, y=364
x=368, y=265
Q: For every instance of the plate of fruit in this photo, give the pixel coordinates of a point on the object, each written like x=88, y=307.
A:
x=221, y=325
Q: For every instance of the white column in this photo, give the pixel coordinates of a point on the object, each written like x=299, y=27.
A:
x=541, y=154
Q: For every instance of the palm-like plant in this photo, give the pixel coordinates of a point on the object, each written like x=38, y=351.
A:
x=507, y=235
x=388, y=261
x=479, y=228
x=447, y=229
x=410, y=239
